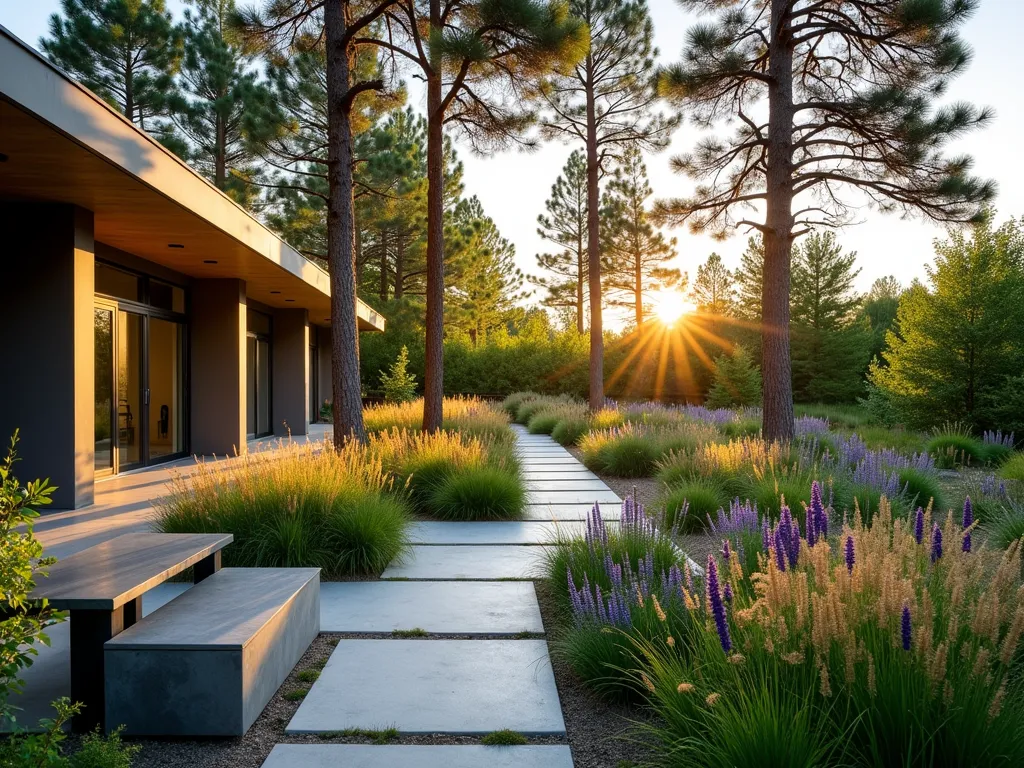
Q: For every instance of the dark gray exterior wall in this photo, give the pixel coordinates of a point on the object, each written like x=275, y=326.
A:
x=323, y=349
x=290, y=374
x=46, y=313
x=218, y=396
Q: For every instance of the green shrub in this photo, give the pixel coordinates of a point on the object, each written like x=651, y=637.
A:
x=294, y=506
x=1006, y=525
x=398, y=384
x=21, y=628
x=542, y=423
x=921, y=487
x=901, y=440
x=632, y=455
x=702, y=497
x=511, y=403
x=99, y=751
x=741, y=428
x=737, y=381
x=1013, y=468
x=480, y=493
x=568, y=431
x=953, y=446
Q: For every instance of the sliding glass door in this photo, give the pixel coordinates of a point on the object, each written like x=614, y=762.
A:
x=103, y=326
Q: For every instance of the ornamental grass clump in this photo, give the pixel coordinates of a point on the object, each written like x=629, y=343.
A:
x=614, y=583
x=890, y=643
x=467, y=415
x=291, y=506
x=634, y=449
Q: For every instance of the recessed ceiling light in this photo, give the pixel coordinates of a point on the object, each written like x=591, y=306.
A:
x=209, y=261
x=3, y=158
x=289, y=299
x=175, y=245
x=275, y=292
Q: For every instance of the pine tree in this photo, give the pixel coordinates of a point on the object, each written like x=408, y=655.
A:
x=485, y=283
x=607, y=101
x=737, y=381
x=959, y=339
x=339, y=24
x=478, y=57
x=823, y=277
x=126, y=51
x=713, y=290
x=830, y=352
x=634, y=252
x=217, y=92
x=565, y=225
x=749, y=281
x=850, y=89
x=879, y=310
x=398, y=384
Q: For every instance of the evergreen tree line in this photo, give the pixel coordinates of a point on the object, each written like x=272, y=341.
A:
x=295, y=109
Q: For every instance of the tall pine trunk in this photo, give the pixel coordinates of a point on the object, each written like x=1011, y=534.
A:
x=348, y=406
x=581, y=325
x=399, y=266
x=433, y=379
x=638, y=292
x=778, y=235
x=594, y=249
x=383, y=294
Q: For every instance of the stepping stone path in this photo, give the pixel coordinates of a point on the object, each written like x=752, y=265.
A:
x=456, y=579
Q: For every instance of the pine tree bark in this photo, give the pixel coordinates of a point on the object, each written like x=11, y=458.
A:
x=638, y=292
x=345, y=385
x=580, y=268
x=433, y=379
x=594, y=249
x=383, y=294
x=778, y=235
x=399, y=266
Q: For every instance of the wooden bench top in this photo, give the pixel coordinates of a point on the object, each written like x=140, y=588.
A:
x=108, y=575
x=223, y=612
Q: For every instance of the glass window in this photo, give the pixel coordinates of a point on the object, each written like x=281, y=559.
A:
x=111, y=281
x=103, y=320
x=166, y=296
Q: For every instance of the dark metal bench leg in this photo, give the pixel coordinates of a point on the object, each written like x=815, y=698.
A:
x=206, y=567
x=89, y=631
x=132, y=612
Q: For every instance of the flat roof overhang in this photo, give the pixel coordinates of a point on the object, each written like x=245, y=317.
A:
x=64, y=144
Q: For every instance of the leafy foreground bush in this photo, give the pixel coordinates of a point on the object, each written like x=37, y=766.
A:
x=888, y=644
x=291, y=506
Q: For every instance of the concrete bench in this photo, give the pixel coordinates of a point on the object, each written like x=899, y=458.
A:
x=207, y=663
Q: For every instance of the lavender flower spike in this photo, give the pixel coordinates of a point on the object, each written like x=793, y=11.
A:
x=779, y=547
x=817, y=508
x=727, y=592
x=726, y=552
x=848, y=551
x=919, y=525
x=905, y=628
x=936, y=542
x=717, y=606
x=967, y=522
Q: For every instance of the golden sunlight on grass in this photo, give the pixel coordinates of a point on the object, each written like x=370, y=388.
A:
x=671, y=306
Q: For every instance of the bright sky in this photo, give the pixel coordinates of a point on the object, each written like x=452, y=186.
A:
x=513, y=185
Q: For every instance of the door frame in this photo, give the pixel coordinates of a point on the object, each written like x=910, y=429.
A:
x=145, y=313
x=111, y=306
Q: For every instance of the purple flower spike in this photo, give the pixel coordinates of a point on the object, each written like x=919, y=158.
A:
x=726, y=552
x=850, y=558
x=919, y=525
x=967, y=522
x=766, y=534
x=936, y=542
x=905, y=627
x=779, y=547
x=727, y=593
x=817, y=511
x=717, y=606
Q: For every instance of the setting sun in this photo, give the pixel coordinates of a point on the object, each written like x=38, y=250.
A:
x=670, y=306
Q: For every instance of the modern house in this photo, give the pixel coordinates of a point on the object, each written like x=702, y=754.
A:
x=144, y=316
